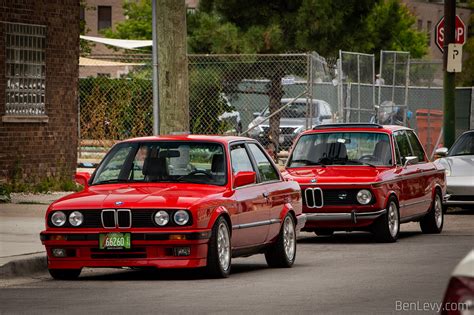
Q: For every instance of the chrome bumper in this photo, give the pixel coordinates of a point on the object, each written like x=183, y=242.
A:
x=448, y=202
x=345, y=216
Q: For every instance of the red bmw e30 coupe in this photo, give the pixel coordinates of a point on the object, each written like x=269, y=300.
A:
x=176, y=202
x=366, y=177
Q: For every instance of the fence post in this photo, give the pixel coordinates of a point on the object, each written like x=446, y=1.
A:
x=156, y=95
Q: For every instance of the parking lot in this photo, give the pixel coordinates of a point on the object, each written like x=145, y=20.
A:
x=346, y=273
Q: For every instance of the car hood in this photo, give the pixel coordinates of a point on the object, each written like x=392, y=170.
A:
x=140, y=196
x=461, y=165
x=336, y=174
x=289, y=122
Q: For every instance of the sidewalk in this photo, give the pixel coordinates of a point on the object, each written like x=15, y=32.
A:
x=21, y=221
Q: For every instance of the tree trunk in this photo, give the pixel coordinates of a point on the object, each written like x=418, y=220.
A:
x=173, y=66
x=275, y=94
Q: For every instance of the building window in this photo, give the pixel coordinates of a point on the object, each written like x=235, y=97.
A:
x=420, y=25
x=25, y=69
x=429, y=30
x=104, y=14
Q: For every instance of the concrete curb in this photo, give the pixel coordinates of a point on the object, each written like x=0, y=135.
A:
x=24, y=265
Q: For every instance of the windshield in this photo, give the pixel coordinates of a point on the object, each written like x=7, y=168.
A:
x=342, y=148
x=164, y=161
x=464, y=145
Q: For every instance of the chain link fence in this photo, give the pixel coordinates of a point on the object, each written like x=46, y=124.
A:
x=271, y=98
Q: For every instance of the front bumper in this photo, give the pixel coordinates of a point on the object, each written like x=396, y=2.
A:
x=460, y=190
x=352, y=216
x=148, y=249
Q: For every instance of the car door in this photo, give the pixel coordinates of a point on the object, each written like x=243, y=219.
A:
x=408, y=176
x=426, y=169
x=251, y=221
x=277, y=192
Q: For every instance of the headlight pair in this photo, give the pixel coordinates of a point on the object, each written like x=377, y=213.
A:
x=59, y=218
x=180, y=217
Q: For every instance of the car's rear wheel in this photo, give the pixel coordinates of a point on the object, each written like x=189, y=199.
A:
x=219, y=250
x=387, y=227
x=282, y=254
x=64, y=274
x=432, y=222
x=324, y=232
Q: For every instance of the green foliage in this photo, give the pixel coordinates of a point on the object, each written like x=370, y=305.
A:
x=139, y=22
x=115, y=109
x=389, y=27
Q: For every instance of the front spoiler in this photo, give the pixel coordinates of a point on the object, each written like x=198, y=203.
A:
x=345, y=216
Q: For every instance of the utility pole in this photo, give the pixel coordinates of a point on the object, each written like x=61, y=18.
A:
x=173, y=69
x=156, y=96
x=449, y=83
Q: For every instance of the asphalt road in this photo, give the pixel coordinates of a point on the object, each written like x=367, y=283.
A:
x=345, y=274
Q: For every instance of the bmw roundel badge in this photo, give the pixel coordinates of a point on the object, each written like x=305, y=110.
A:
x=119, y=203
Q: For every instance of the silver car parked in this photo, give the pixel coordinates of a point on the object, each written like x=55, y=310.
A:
x=459, y=165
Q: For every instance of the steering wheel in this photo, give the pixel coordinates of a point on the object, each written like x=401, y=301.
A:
x=197, y=172
x=368, y=157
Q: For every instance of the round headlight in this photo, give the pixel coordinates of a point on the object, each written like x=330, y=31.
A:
x=364, y=196
x=58, y=218
x=76, y=218
x=181, y=217
x=162, y=218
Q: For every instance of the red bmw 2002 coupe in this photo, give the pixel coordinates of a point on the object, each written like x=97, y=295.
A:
x=176, y=202
x=366, y=177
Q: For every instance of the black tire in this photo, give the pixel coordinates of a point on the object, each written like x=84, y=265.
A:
x=65, y=274
x=387, y=227
x=282, y=253
x=324, y=232
x=432, y=222
x=215, y=268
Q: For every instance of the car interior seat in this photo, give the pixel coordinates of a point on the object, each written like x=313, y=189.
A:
x=155, y=168
x=383, y=152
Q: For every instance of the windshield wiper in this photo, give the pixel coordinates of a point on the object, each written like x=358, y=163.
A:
x=308, y=162
x=362, y=163
x=116, y=180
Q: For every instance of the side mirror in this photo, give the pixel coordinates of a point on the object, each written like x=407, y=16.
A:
x=442, y=152
x=244, y=178
x=256, y=114
x=409, y=160
x=82, y=178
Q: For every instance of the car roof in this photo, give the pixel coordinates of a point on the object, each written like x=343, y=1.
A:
x=356, y=127
x=187, y=137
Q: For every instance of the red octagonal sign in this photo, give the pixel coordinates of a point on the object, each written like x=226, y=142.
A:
x=459, y=33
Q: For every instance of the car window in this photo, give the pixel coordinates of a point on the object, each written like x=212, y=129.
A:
x=265, y=167
x=165, y=161
x=464, y=145
x=403, y=144
x=113, y=164
x=240, y=159
x=416, y=146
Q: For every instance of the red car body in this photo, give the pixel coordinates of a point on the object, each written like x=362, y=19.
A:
x=254, y=213
x=412, y=185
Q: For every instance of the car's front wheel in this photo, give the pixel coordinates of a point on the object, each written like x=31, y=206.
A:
x=282, y=254
x=432, y=222
x=387, y=227
x=219, y=250
x=64, y=274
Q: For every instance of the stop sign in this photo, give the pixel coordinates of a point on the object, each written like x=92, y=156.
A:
x=459, y=33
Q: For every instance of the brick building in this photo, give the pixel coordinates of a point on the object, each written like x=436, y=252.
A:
x=39, y=53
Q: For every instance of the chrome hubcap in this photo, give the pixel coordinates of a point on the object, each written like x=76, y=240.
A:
x=223, y=246
x=438, y=211
x=289, y=238
x=393, y=219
